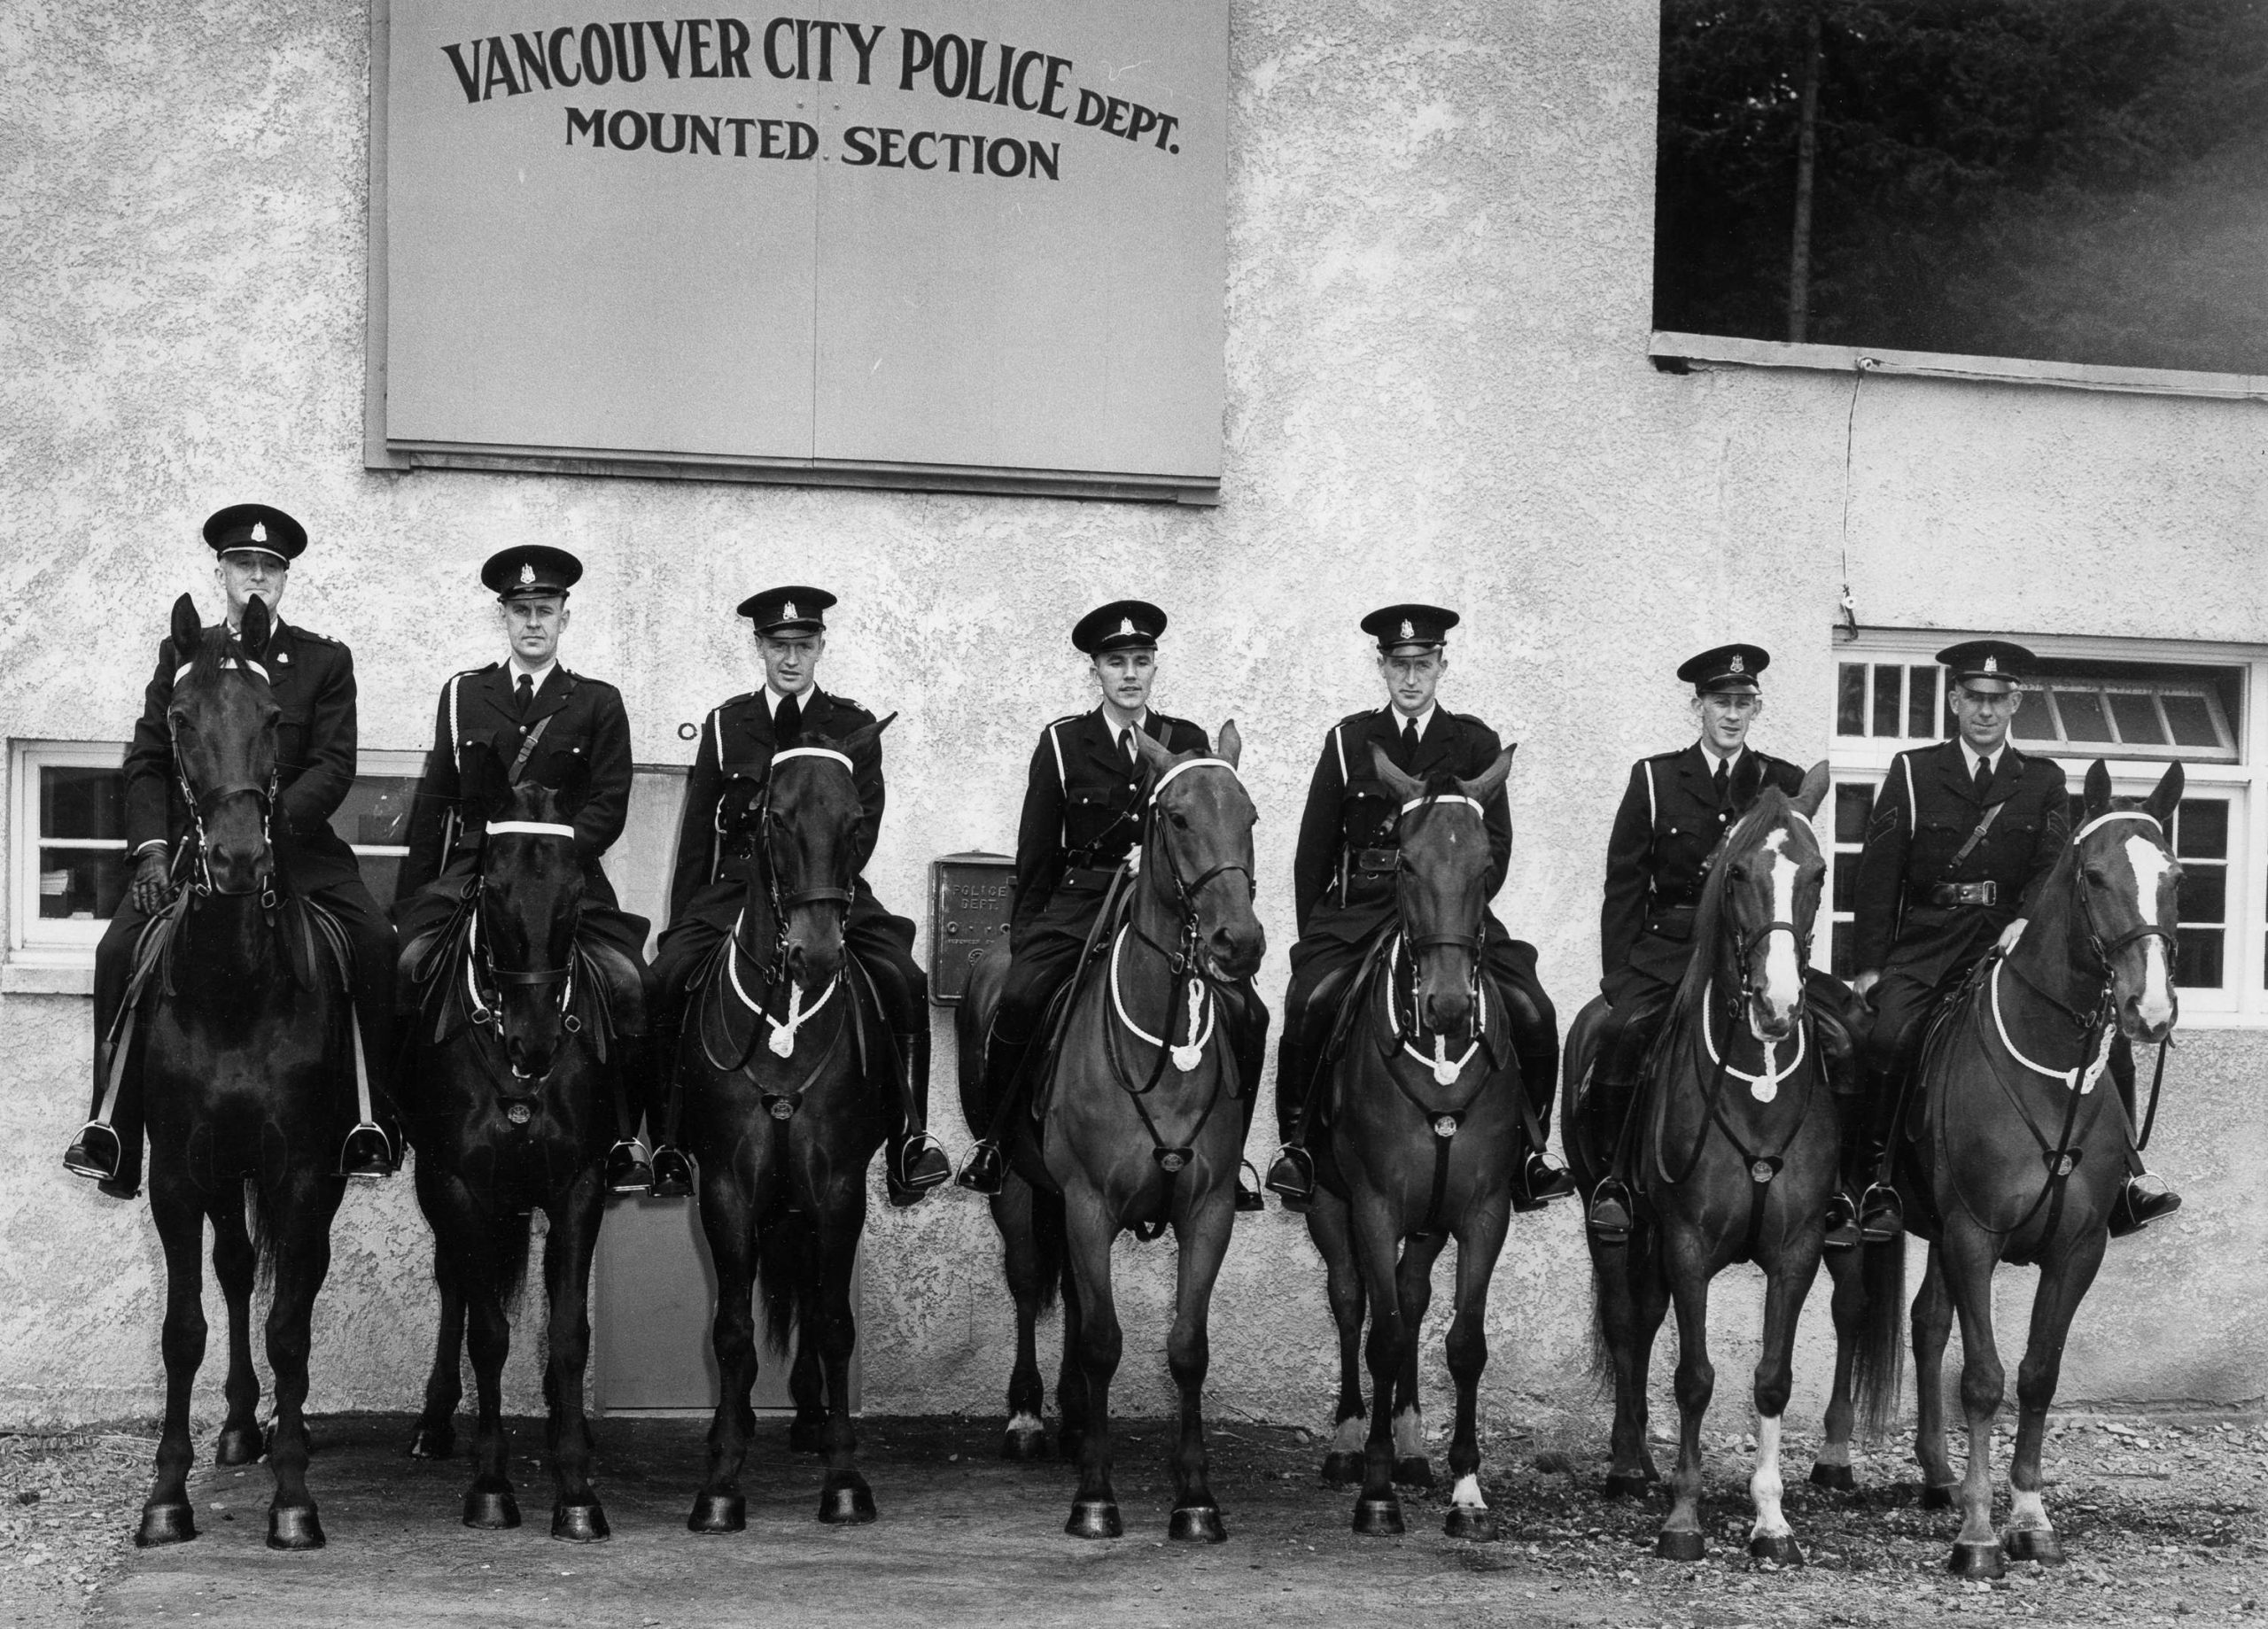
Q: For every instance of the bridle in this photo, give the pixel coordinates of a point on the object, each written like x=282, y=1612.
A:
x=478, y=961
x=200, y=803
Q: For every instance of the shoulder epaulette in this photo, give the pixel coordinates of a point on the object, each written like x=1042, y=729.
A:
x=1671, y=757
x=1357, y=718
x=1065, y=718
x=844, y=701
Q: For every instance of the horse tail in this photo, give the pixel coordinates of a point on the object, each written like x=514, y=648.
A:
x=1601, y=1352
x=263, y=1236
x=784, y=1247
x=1879, y=1362
x=514, y=1241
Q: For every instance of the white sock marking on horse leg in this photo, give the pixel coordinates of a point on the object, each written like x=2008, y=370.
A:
x=1020, y=1423
x=1353, y=1432
x=1764, y=1487
x=1467, y=1494
x=1409, y=1435
x=1835, y=1453
x=2028, y=1512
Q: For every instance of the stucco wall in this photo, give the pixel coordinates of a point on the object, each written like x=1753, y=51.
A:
x=1440, y=242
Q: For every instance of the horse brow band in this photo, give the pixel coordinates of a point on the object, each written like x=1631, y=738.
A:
x=1446, y=797
x=182, y=672
x=779, y=758
x=1192, y=764
x=529, y=828
x=2117, y=814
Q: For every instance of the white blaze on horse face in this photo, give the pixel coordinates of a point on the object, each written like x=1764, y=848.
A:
x=1409, y=1435
x=1783, y=980
x=2150, y=865
x=1764, y=1487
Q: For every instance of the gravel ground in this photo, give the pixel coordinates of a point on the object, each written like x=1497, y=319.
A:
x=2161, y=1515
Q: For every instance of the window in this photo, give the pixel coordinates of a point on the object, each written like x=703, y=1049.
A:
x=69, y=823
x=2133, y=704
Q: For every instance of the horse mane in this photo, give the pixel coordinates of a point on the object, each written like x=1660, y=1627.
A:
x=1770, y=805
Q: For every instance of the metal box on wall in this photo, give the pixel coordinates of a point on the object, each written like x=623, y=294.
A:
x=970, y=898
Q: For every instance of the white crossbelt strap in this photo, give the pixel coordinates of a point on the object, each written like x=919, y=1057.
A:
x=1061, y=777
x=1912, y=817
x=1653, y=811
x=1339, y=739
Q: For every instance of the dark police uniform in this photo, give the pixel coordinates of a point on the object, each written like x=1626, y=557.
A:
x=713, y=873
x=1344, y=895
x=311, y=679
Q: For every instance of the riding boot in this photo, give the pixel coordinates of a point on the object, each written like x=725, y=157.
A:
x=1542, y=1179
x=2143, y=1197
x=1882, y=1214
x=1613, y=1209
x=1251, y=1044
x=1839, y=1063
x=987, y=1170
x=673, y=1171
x=99, y=1152
x=916, y=1161
x=373, y=1149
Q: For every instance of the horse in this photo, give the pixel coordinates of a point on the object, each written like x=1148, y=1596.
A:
x=1134, y=1129
x=247, y=1024
x=515, y=1056
x=2006, y=1152
x=1737, y=1134
x=779, y=1114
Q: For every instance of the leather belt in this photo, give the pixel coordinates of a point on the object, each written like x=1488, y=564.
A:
x=1948, y=894
x=1376, y=862
x=1087, y=878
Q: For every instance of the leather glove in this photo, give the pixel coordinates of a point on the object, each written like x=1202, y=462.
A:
x=152, y=882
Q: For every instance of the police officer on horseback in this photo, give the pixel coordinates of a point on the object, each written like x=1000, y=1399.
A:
x=1961, y=838
x=1676, y=809
x=558, y=728
x=714, y=869
x=1084, y=799
x=1343, y=877
x=312, y=680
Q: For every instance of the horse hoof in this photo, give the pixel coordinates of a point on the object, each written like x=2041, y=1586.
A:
x=1192, y=1523
x=853, y=1502
x=808, y=1436
x=1343, y=1469
x=1416, y=1472
x=1024, y=1444
x=717, y=1513
x=1620, y=1486
x=1378, y=1518
x=1976, y=1558
x=238, y=1445
x=165, y=1524
x=294, y=1527
x=1477, y=1526
x=491, y=1507
x=1781, y=1550
x=2037, y=1544
x=1093, y=1519
x=1837, y=1477
x=1681, y=1546
x=1938, y=1497
x=583, y=1524
x=432, y=1442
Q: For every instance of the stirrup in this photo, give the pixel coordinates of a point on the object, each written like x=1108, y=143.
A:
x=915, y=1164
x=1842, y=1221
x=1541, y=1182
x=1248, y=1199
x=1882, y=1214
x=1291, y=1178
x=1611, y=1213
x=2135, y=1208
x=672, y=1172
x=629, y=1169
x=368, y=1153
x=95, y=1153
x=986, y=1172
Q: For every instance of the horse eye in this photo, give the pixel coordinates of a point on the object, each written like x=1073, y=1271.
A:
x=1178, y=819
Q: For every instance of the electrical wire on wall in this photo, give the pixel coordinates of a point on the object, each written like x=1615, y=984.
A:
x=1861, y=367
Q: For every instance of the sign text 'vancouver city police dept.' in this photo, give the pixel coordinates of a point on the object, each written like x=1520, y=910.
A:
x=605, y=57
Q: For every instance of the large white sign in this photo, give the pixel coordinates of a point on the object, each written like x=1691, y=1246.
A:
x=954, y=239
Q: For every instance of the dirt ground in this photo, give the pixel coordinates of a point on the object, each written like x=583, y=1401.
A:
x=2161, y=1514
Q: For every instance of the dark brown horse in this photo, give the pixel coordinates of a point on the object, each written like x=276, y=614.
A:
x=515, y=1067
x=1139, y=1127
x=1738, y=1132
x=779, y=1114
x=1424, y=1141
x=246, y=1028
x=2012, y=1150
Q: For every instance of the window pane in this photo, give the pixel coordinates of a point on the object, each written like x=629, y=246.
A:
x=2202, y=895
x=1886, y=699
x=2197, y=959
x=376, y=811
x=2192, y=720
x=1840, y=954
x=82, y=801
x=1846, y=882
x=1851, y=700
x=2201, y=830
x=2083, y=718
x=1921, y=701
x=84, y=884
x=2034, y=721
x=2138, y=719
x=381, y=873
x=1853, y=804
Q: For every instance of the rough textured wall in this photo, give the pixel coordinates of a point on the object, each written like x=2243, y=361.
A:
x=1440, y=225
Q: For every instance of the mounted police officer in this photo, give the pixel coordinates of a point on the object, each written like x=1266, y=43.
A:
x=311, y=679
x=556, y=728
x=1674, y=811
x=1084, y=801
x=1343, y=885
x=707, y=890
x=1961, y=838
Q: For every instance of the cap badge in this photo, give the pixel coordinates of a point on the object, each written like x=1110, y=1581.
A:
x=1739, y=666
x=527, y=574
x=1126, y=625
x=1992, y=664
x=259, y=531
x=787, y=611
x=1408, y=632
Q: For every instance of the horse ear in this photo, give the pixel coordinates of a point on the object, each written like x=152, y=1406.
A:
x=187, y=630
x=2161, y=803
x=1231, y=747
x=2098, y=793
x=1154, y=753
x=1489, y=781
x=864, y=736
x=1812, y=792
x=253, y=635
x=1404, y=787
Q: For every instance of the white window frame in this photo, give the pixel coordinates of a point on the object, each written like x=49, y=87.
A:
x=2241, y=1004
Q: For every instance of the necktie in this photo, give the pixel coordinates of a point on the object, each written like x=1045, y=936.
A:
x=524, y=696
x=1723, y=777
x=1126, y=744
x=788, y=721
x=1409, y=741
x=1983, y=781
